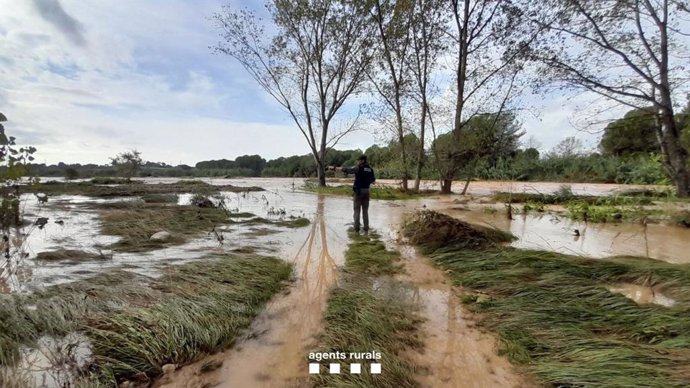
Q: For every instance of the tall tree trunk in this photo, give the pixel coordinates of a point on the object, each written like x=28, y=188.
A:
x=320, y=169
x=467, y=184
x=321, y=160
x=321, y=173
x=446, y=185
x=403, y=153
x=420, y=154
x=461, y=70
x=676, y=157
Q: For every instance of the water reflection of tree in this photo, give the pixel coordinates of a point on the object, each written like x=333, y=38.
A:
x=314, y=257
x=316, y=269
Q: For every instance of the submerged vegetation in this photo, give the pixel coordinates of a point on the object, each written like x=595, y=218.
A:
x=359, y=319
x=555, y=315
x=68, y=256
x=132, y=188
x=368, y=255
x=631, y=206
x=136, y=324
x=137, y=222
x=289, y=222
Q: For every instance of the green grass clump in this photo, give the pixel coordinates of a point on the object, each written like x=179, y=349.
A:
x=545, y=199
x=566, y=198
x=134, y=188
x=71, y=255
x=359, y=319
x=681, y=218
x=290, y=222
x=242, y=215
x=137, y=324
x=656, y=193
x=554, y=314
x=367, y=254
x=203, y=311
x=376, y=192
x=137, y=222
x=433, y=230
x=190, y=182
x=160, y=198
x=106, y=180
x=606, y=213
x=626, y=207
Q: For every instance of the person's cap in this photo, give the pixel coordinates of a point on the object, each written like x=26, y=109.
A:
x=362, y=157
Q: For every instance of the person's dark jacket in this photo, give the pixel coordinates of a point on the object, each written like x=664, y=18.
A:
x=364, y=176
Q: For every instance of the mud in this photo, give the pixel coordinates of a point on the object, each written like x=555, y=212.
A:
x=456, y=353
x=273, y=352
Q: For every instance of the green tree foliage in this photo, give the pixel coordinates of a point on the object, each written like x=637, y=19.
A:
x=71, y=173
x=486, y=139
x=635, y=133
x=14, y=165
x=254, y=163
x=127, y=163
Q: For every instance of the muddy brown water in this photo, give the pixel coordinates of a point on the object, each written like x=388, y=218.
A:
x=456, y=353
x=643, y=294
x=556, y=233
x=273, y=352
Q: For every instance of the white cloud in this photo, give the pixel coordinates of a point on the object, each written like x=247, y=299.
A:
x=85, y=80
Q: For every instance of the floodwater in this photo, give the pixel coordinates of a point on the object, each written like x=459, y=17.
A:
x=273, y=352
x=642, y=294
x=543, y=231
x=491, y=187
x=456, y=353
x=54, y=362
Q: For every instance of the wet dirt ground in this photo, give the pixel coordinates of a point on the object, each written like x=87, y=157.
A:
x=456, y=353
x=273, y=352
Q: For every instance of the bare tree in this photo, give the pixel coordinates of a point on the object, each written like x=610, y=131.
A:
x=532, y=142
x=630, y=52
x=568, y=147
x=488, y=37
x=428, y=43
x=311, y=65
x=391, y=78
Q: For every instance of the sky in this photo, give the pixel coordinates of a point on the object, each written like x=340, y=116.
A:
x=85, y=80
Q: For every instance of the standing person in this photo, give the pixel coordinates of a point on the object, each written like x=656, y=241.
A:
x=364, y=177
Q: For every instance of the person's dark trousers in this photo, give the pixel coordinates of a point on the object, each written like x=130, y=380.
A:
x=361, y=204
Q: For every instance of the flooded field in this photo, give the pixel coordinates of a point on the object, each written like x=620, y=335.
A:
x=272, y=352
x=557, y=233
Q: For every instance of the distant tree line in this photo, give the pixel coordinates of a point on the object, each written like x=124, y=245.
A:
x=490, y=147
